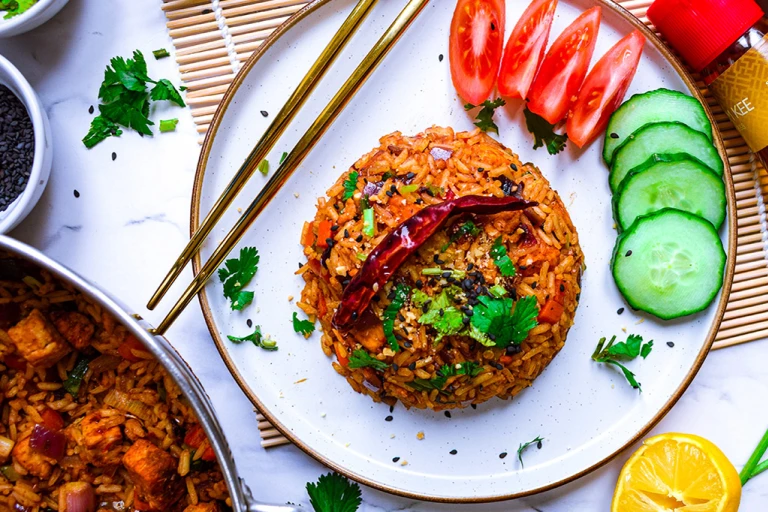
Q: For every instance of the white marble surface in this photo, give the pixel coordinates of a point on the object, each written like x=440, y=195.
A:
x=131, y=220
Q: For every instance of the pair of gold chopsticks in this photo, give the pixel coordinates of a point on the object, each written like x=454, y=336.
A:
x=294, y=158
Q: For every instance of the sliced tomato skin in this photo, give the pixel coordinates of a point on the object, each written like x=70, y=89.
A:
x=604, y=89
x=525, y=49
x=475, y=47
x=562, y=72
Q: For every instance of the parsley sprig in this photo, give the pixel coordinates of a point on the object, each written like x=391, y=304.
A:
x=441, y=312
x=493, y=325
x=303, y=327
x=256, y=338
x=470, y=368
x=484, y=118
x=126, y=98
x=334, y=493
x=350, y=185
x=400, y=295
x=361, y=359
x=623, y=351
x=501, y=259
x=544, y=133
x=236, y=274
x=524, y=446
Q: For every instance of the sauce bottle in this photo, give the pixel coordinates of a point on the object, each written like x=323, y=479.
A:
x=727, y=42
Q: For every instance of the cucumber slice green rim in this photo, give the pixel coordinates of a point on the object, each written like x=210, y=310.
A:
x=669, y=263
x=653, y=107
x=670, y=181
x=662, y=138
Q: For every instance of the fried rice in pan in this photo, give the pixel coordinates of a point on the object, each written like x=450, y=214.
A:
x=455, y=335
x=89, y=420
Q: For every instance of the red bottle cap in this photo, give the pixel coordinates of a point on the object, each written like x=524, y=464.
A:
x=700, y=30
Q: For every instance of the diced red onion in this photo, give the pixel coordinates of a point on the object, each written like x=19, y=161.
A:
x=49, y=443
x=371, y=189
x=77, y=497
x=440, y=153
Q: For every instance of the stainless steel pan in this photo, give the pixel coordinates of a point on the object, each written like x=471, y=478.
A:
x=242, y=500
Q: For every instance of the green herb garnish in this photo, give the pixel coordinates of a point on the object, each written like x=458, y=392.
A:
x=470, y=368
x=283, y=157
x=304, y=327
x=360, y=359
x=501, y=259
x=401, y=293
x=387, y=175
x=75, y=377
x=369, y=222
x=435, y=271
x=168, y=125
x=125, y=99
x=623, y=351
x=263, y=167
x=484, y=118
x=350, y=185
x=434, y=190
x=443, y=315
x=493, y=325
x=544, y=133
x=15, y=7
x=469, y=228
x=334, y=493
x=523, y=446
x=498, y=291
x=236, y=274
x=160, y=53
x=409, y=189
x=257, y=339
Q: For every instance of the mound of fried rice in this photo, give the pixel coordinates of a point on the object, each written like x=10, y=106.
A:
x=129, y=433
x=541, y=242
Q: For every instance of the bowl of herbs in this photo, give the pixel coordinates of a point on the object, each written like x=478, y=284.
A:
x=19, y=16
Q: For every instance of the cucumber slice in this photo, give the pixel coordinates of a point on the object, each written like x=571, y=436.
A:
x=670, y=181
x=661, y=138
x=669, y=263
x=653, y=107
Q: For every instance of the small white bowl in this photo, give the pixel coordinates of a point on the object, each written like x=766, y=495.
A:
x=41, y=164
x=38, y=14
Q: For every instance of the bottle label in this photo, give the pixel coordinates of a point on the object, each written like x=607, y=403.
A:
x=743, y=92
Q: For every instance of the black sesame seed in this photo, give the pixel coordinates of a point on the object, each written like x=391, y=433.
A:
x=264, y=113
x=470, y=266
x=502, y=455
x=90, y=109
x=562, y=287
x=453, y=452
x=412, y=366
x=419, y=201
x=301, y=264
x=388, y=418
x=249, y=322
x=513, y=349
x=492, y=336
x=114, y=156
x=670, y=344
x=206, y=11
x=389, y=193
x=447, y=274
x=619, y=311
x=77, y=194
x=465, y=320
x=419, y=283
x=629, y=253
x=410, y=175
x=447, y=414
x=335, y=227
x=359, y=238
x=398, y=337
x=614, y=135
x=376, y=298
x=391, y=408
x=440, y=57
x=534, y=285
x=442, y=312
x=493, y=26
x=354, y=315
x=474, y=406
x=425, y=307
x=408, y=344
x=513, y=167
x=329, y=241
x=470, y=313
x=437, y=259
x=499, y=366
x=346, y=233
x=538, y=445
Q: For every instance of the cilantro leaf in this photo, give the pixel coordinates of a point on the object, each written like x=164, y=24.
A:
x=623, y=351
x=446, y=321
x=523, y=447
x=236, y=274
x=469, y=228
x=484, y=118
x=492, y=317
x=165, y=90
x=501, y=259
x=101, y=128
x=544, y=133
x=334, y=493
x=131, y=73
x=304, y=327
x=646, y=350
x=255, y=338
x=401, y=293
x=131, y=111
x=263, y=167
x=350, y=185
x=360, y=359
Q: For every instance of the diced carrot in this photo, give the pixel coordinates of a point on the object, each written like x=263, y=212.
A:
x=322, y=307
x=52, y=419
x=130, y=344
x=343, y=360
x=505, y=360
x=323, y=233
x=307, y=235
x=194, y=437
x=551, y=312
x=209, y=454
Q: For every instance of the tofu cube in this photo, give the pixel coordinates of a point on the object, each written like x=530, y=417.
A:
x=154, y=473
x=38, y=341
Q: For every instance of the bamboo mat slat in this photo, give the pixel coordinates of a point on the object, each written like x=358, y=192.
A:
x=212, y=38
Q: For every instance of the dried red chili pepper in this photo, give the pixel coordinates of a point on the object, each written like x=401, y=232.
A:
x=387, y=257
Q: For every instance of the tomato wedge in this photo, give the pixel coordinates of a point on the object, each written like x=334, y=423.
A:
x=475, y=46
x=525, y=48
x=559, y=79
x=604, y=89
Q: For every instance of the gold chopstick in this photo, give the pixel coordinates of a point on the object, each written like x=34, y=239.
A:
x=265, y=144
x=295, y=157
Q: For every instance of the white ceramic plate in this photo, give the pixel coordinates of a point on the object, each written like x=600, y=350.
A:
x=586, y=412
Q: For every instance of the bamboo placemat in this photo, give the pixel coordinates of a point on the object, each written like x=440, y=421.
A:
x=213, y=38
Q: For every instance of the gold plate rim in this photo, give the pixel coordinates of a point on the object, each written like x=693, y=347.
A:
x=221, y=347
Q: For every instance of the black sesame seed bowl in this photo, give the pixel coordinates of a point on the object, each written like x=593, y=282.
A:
x=36, y=15
x=26, y=151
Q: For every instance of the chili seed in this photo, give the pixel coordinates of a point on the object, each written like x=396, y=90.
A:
x=670, y=344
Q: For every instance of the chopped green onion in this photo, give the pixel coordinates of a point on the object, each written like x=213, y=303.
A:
x=369, y=223
x=456, y=274
x=10, y=473
x=283, y=157
x=168, y=125
x=408, y=189
x=75, y=377
x=161, y=53
x=263, y=167
x=269, y=343
x=361, y=256
x=498, y=291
